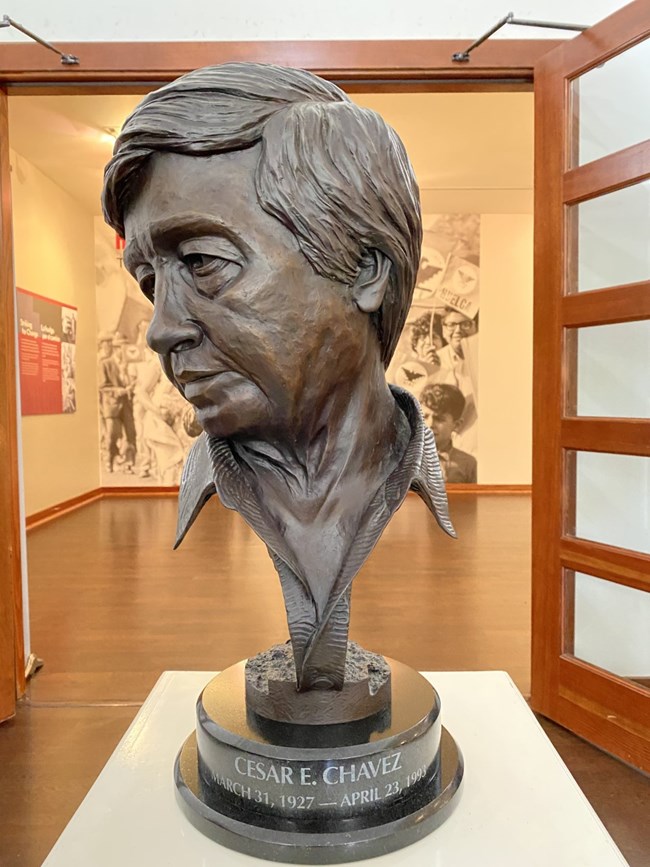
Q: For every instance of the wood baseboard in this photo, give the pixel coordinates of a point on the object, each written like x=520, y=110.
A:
x=489, y=489
x=139, y=491
x=45, y=515
x=67, y=506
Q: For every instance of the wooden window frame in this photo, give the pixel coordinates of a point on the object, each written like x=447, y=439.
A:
x=135, y=67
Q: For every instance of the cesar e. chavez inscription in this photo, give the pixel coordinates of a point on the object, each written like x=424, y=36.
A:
x=275, y=226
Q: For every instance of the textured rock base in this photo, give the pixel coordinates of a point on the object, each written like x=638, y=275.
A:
x=318, y=794
x=271, y=690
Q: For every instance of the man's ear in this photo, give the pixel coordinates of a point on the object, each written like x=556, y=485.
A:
x=369, y=288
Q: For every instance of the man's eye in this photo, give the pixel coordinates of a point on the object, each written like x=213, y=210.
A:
x=201, y=263
x=148, y=286
x=210, y=273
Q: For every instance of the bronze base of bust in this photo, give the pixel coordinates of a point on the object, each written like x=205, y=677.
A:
x=271, y=690
x=318, y=794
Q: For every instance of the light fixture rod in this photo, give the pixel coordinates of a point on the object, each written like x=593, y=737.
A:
x=463, y=56
x=67, y=59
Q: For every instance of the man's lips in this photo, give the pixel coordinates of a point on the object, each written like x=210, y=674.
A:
x=194, y=382
x=184, y=377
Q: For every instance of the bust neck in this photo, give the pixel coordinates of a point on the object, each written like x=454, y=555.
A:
x=352, y=439
x=317, y=485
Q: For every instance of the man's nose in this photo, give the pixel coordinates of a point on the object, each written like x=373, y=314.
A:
x=171, y=329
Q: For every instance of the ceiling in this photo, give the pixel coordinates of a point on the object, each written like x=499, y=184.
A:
x=457, y=142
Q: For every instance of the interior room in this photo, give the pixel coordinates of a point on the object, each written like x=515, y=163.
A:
x=106, y=606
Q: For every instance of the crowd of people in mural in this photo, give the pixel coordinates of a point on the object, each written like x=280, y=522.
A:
x=146, y=427
x=437, y=356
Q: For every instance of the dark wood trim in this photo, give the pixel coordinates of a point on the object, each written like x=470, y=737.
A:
x=605, y=306
x=629, y=568
x=459, y=488
x=57, y=511
x=629, y=436
x=46, y=515
x=586, y=697
x=135, y=67
x=548, y=397
x=607, y=174
x=610, y=711
x=12, y=649
x=568, y=610
x=483, y=85
x=152, y=491
x=620, y=30
x=345, y=60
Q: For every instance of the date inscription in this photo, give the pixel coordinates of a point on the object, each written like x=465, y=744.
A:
x=337, y=785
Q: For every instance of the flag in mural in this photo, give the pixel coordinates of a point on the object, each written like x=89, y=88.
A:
x=437, y=355
x=47, y=335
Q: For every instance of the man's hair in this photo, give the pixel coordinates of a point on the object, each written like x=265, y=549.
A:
x=420, y=328
x=336, y=175
x=442, y=398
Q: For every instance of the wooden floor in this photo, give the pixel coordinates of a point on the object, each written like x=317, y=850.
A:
x=112, y=606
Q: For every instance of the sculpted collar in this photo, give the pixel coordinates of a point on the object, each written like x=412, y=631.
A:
x=318, y=617
x=211, y=467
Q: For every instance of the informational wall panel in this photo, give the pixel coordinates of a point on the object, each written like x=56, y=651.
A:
x=47, y=332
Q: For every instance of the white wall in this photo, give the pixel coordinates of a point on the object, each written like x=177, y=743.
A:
x=54, y=257
x=506, y=350
x=168, y=20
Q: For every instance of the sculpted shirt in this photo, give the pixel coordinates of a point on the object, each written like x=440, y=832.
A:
x=212, y=467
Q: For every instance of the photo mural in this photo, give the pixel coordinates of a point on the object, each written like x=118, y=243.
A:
x=146, y=427
x=437, y=355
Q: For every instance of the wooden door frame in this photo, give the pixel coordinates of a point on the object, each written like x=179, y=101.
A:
x=12, y=651
x=111, y=67
x=368, y=61
x=607, y=710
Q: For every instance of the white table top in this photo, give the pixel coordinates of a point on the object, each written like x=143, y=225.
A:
x=519, y=807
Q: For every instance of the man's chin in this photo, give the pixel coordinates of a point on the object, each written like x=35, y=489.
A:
x=227, y=422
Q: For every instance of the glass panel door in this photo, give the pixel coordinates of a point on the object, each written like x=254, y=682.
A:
x=591, y=477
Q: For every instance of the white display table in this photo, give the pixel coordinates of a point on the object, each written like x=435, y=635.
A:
x=519, y=806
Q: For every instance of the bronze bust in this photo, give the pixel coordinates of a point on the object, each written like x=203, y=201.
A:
x=275, y=227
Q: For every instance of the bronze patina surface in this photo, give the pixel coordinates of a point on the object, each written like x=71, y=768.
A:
x=275, y=226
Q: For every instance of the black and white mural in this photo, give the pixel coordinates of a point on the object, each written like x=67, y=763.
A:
x=146, y=428
x=437, y=355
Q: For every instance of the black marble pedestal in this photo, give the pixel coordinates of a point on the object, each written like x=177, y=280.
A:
x=318, y=794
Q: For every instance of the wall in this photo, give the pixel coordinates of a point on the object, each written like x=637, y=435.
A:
x=53, y=243
x=505, y=349
x=292, y=19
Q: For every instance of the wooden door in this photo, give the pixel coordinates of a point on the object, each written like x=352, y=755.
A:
x=591, y=468
x=12, y=663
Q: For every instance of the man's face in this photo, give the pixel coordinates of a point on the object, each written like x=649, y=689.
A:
x=455, y=326
x=442, y=425
x=244, y=327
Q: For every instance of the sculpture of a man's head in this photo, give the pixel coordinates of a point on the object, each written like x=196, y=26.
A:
x=275, y=225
